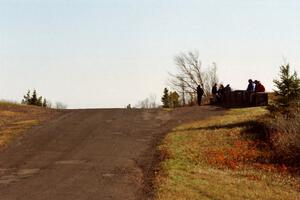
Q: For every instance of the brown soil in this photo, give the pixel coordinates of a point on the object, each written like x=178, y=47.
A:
x=90, y=154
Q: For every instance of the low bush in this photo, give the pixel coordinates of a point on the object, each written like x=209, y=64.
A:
x=283, y=130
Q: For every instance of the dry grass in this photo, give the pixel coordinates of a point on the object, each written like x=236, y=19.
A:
x=15, y=119
x=222, y=158
x=284, y=136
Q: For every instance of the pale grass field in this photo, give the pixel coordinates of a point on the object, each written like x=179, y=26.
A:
x=212, y=160
x=16, y=119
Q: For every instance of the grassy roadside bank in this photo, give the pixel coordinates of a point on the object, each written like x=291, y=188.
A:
x=222, y=158
x=15, y=119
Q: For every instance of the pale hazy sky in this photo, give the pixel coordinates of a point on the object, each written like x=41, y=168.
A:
x=108, y=53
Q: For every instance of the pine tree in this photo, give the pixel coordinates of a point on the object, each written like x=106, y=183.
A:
x=45, y=103
x=34, y=99
x=165, y=98
x=288, y=86
x=39, y=101
x=26, y=98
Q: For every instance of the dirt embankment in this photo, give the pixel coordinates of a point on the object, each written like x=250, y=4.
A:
x=16, y=119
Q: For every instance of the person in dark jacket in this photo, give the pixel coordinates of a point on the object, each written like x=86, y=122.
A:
x=214, y=92
x=250, y=87
x=214, y=89
x=221, y=92
x=200, y=93
x=228, y=88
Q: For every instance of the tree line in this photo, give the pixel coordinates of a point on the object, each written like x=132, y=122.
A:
x=170, y=99
x=35, y=100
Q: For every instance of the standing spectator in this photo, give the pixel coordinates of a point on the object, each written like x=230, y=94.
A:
x=221, y=93
x=251, y=90
x=214, y=92
x=227, y=88
x=200, y=93
x=259, y=87
x=250, y=87
x=255, y=85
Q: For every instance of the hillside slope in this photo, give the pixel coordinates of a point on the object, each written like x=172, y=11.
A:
x=222, y=158
x=15, y=119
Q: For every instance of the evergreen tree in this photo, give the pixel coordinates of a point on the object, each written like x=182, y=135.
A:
x=26, y=98
x=288, y=86
x=39, y=102
x=45, y=103
x=165, y=98
x=34, y=99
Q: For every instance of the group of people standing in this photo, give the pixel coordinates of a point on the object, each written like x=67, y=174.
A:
x=255, y=86
x=219, y=93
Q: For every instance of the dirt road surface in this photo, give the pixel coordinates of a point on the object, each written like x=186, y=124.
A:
x=94, y=154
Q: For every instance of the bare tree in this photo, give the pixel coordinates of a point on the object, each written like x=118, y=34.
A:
x=148, y=103
x=210, y=78
x=190, y=74
x=60, y=105
x=152, y=101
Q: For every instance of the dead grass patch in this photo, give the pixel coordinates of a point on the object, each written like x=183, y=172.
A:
x=15, y=119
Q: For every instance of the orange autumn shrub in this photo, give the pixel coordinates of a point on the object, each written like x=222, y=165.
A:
x=244, y=154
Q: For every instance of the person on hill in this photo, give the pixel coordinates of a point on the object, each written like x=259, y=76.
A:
x=200, y=93
x=214, y=92
x=250, y=87
x=227, y=88
x=221, y=93
x=221, y=89
x=259, y=87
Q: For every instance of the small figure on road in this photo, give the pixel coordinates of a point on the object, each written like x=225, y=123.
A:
x=250, y=87
x=200, y=93
x=259, y=87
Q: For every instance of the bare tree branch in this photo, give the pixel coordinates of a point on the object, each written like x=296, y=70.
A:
x=190, y=74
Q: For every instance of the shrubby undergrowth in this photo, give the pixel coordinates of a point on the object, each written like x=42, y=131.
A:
x=283, y=132
x=283, y=123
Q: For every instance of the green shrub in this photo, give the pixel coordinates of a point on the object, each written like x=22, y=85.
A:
x=288, y=89
x=34, y=100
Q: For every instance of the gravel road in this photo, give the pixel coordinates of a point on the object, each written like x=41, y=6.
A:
x=91, y=154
